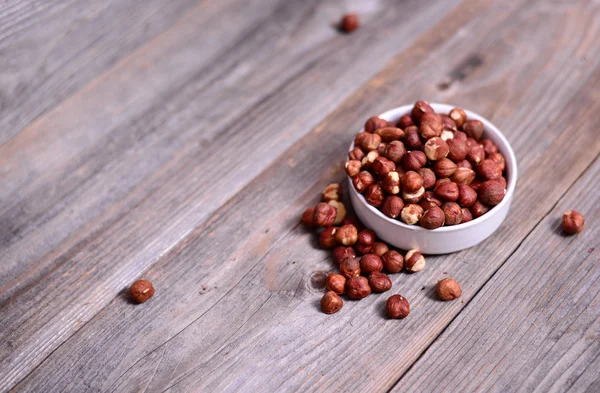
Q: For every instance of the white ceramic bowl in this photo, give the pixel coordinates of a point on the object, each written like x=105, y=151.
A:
x=448, y=238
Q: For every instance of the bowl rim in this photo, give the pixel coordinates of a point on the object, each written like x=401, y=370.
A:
x=395, y=113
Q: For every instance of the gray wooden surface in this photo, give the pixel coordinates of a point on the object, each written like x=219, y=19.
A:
x=180, y=143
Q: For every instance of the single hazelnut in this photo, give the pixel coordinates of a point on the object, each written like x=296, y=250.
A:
x=379, y=248
x=374, y=195
x=374, y=123
x=466, y=195
x=464, y=164
x=331, y=303
x=353, y=167
x=327, y=237
x=476, y=154
x=436, y=148
x=459, y=116
x=367, y=237
x=391, y=183
x=491, y=192
x=394, y=151
x=413, y=197
x=467, y=216
x=411, y=181
x=420, y=108
x=363, y=249
x=488, y=170
x=463, y=176
x=457, y=150
x=389, y=134
x=141, y=290
x=392, y=206
x=356, y=154
x=431, y=125
x=429, y=200
x=358, y=288
x=428, y=177
x=340, y=212
x=449, y=124
x=333, y=192
x=379, y=282
x=397, y=307
x=369, y=159
x=474, y=129
x=440, y=181
x=470, y=142
x=412, y=140
x=414, y=261
x=572, y=222
x=448, y=289
x=336, y=283
x=349, y=23
x=447, y=135
x=444, y=167
x=382, y=166
x=347, y=235
x=432, y=218
x=324, y=215
x=393, y=261
x=405, y=121
x=447, y=191
x=363, y=181
x=414, y=160
x=370, y=263
x=498, y=158
x=452, y=213
x=350, y=267
x=381, y=149
x=307, y=217
x=370, y=142
x=478, y=209
x=460, y=136
x=340, y=253
x=411, y=214
x=489, y=147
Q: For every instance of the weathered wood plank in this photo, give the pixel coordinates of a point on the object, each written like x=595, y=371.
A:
x=48, y=50
x=535, y=327
x=124, y=177
x=234, y=309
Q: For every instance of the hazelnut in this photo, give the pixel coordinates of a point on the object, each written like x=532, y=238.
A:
x=340, y=253
x=470, y=142
x=414, y=160
x=389, y=134
x=350, y=267
x=327, y=237
x=420, y=108
x=358, y=288
x=394, y=151
x=405, y=121
x=413, y=197
x=431, y=125
x=441, y=181
x=473, y=128
x=333, y=192
x=331, y=303
x=374, y=195
x=432, y=218
x=411, y=181
x=447, y=135
x=348, y=24
x=374, y=123
x=429, y=200
x=392, y=206
x=393, y=261
x=448, y=289
x=369, y=142
x=436, y=149
x=457, y=150
x=391, y=183
x=463, y=176
x=369, y=159
x=382, y=166
x=379, y=282
x=362, y=181
x=488, y=170
x=412, y=138
x=347, y=235
x=353, y=221
x=478, y=209
x=447, y=191
x=307, y=217
x=498, y=158
x=467, y=216
x=428, y=177
x=397, y=307
x=448, y=123
x=572, y=222
x=491, y=192
x=466, y=195
x=476, y=154
x=141, y=290
x=475, y=184
x=336, y=283
x=324, y=215
x=411, y=214
x=489, y=147
x=356, y=154
x=464, y=164
x=370, y=263
x=452, y=213
x=353, y=167
x=459, y=116
x=460, y=136
x=367, y=237
x=379, y=248
x=414, y=261
x=363, y=248
x=381, y=148
x=444, y=167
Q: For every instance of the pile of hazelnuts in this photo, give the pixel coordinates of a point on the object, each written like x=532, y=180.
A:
x=428, y=169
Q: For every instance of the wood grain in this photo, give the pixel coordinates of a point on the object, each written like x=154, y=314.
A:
x=236, y=306
x=535, y=326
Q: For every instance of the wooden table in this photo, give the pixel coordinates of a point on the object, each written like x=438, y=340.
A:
x=180, y=141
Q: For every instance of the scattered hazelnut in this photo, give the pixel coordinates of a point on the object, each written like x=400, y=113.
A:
x=473, y=128
x=383, y=166
x=331, y=303
x=353, y=167
x=363, y=181
x=414, y=160
x=389, y=134
x=374, y=195
x=397, y=307
x=379, y=282
x=341, y=212
x=379, y=248
x=476, y=154
x=369, y=159
x=444, y=167
x=488, y=170
x=478, y=209
x=405, y=121
x=459, y=116
x=466, y=195
x=394, y=151
x=431, y=125
x=467, y=216
x=370, y=263
x=489, y=147
x=392, y=206
x=324, y=215
x=327, y=237
x=358, y=288
x=363, y=248
x=349, y=23
x=374, y=123
x=340, y=253
x=350, y=268
x=420, y=108
x=412, y=138
x=448, y=289
x=428, y=177
x=353, y=221
x=141, y=291
x=457, y=150
x=436, y=149
x=307, y=217
x=572, y=222
x=370, y=141
x=411, y=214
x=463, y=176
x=393, y=261
x=491, y=192
x=452, y=213
x=414, y=261
x=333, y=192
x=432, y=218
x=336, y=283
x=346, y=235
x=411, y=181
x=413, y=197
x=366, y=236
x=447, y=191
x=356, y=154
x=391, y=183
x=429, y=200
